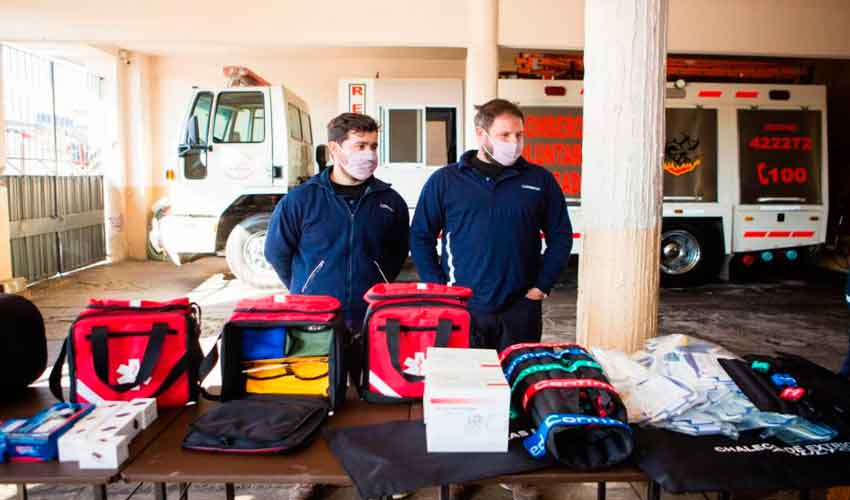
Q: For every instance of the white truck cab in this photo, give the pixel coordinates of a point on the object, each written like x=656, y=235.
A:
x=241, y=150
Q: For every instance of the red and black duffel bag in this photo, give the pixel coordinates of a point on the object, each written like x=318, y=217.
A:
x=118, y=350
x=402, y=322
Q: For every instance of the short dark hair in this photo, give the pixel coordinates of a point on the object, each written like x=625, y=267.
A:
x=487, y=112
x=339, y=127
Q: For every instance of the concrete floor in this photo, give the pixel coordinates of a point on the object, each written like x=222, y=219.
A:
x=791, y=310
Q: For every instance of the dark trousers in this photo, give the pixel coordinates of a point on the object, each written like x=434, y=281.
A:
x=521, y=321
x=845, y=370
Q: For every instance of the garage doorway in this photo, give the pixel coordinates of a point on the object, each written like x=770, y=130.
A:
x=55, y=119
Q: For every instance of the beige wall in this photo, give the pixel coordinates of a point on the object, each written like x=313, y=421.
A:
x=313, y=74
x=810, y=28
x=802, y=28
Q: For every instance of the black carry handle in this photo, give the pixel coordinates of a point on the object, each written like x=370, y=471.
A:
x=56, y=372
x=153, y=351
x=393, y=333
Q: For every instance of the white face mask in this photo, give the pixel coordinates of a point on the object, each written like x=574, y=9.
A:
x=504, y=153
x=359, y=164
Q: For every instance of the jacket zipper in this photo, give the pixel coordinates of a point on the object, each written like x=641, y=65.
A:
x=384, y=276
x=312, y=275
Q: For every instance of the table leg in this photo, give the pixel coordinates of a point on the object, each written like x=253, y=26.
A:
x=229, y=491
x=159, y=492
x=98, y=492
x=445, y=494
x=22, y=491
x=183, y=489
x=805, y=494
x=725, y=495
x=600, y=490
x=653, y=491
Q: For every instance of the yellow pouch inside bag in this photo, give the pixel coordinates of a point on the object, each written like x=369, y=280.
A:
x=305, y=376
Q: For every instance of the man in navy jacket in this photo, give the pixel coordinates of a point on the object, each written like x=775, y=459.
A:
x=343, y=230
x=491, y=207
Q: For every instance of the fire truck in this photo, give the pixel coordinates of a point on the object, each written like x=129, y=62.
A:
x=744, y=164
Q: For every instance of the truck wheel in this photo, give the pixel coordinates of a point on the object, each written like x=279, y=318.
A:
x=690, y=255
x=245, y=253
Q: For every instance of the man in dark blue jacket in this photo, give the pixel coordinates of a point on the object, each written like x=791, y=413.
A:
x=491, y=207
x=343, y=230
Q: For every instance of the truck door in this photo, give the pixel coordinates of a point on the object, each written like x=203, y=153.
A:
x=415, y=141
x=237, y=155
x=781, y=186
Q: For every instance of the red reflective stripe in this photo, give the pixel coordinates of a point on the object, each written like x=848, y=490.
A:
x=511, y=348
x=779, y=234
x=803, y=234
x=746, y=94
x=755, y=234
x=455, y=401
x=581, y=91
x=582, y=383
x=710, y=93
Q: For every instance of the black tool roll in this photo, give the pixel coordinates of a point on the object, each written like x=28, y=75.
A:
x=580, y=419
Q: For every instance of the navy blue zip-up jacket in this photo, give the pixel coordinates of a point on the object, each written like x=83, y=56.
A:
x=314, y=232
x=491, y=231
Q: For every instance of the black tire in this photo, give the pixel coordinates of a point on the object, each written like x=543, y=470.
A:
x=244, y=253
x=691, y=254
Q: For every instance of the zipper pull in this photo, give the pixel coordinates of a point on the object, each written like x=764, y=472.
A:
x=312, y=275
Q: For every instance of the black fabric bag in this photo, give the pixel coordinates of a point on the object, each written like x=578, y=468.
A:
x=827, y=398
x=258, y=424
x=391, y=458
x=23, y=345
x=683, y=464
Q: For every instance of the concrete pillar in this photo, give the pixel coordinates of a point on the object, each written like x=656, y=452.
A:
x=115, y=175
x=5, y=245
x=482, y=60
x=136, y=137
x=624, y=57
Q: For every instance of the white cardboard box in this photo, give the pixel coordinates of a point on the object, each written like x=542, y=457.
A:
x=467, y=411
x=104, y=452
x=72, y=441
x=458, y=360
x=123, y=422
x=452, y=359
x=146, y=409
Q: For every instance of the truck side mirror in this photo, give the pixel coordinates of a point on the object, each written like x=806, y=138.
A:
x=192, y=132
x=322, y=156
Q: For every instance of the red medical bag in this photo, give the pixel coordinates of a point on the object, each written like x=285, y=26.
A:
x=119, y=350
x=402, y=322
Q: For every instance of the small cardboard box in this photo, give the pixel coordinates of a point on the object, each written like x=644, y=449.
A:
x=146, y=409
x=467, y=411
x=123, y=422
x=104, y=452
x=451, y=359
x=461, y=361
